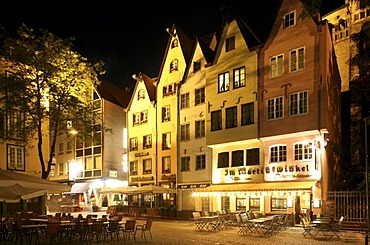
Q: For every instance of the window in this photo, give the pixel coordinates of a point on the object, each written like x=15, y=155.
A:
x=133, y=167
x=341, y=30
x=2, y=124
x=141, y=94
x=223, y=160
x=275, y=108
x=216, y=120
x=166, y=165
x=278, y=204
x=298, y=103
x=175, y=43
x=239, y=77
x=196, y=66
x=241, y=203
x=199, y=96
x=253, y=156
x=15, y=157
x=237, y=158
x=69, y=146
x=166, y=141
x=184, y=98
x=254, y=203
x=231, y=117
x=247, y=114
x=200, y=128
x=169, y=90
x=230, y=43
x=174, y=66
x=200, y=162
x=303, y=151
x=225, y=203
x=60, y=169
x=297, y=59
x=166, y=114
x=140, y=118
x=60, y=148
x=147, y=141
x=133, y=144
x=276, y=66
x=185, y=164
x=147, y=166
x=185, y=132
x=223, y=82
x=15, y=123
x=278, y=153
x=289, y=19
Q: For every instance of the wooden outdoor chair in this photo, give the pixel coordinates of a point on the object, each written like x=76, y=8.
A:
x=112, y=230
x=308, y=229
x=145, y=228
x=200, y=224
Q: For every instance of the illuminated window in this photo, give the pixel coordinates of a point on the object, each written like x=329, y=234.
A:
x=133, y=144
x=133, y=167
x=239, y=77
x=166, y=116
x=141, y=94
x=241, y=203
x=174, y=65
x=254, y=203
x=147, y=166
x=166, y=141
x=166, y=165
x=278, y=204
x=223, y=82
x=60, y=169
x=147, y=141
x=225, y=203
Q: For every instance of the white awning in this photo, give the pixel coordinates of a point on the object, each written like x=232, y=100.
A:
x=78, y=188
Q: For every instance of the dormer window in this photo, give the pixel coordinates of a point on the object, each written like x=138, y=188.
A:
x=289, y=19
x=174, y=66
x=141, y=94
x=196, y=66
x=175, y=43
x=230, y=43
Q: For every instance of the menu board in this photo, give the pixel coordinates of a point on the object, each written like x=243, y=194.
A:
x=328, y=208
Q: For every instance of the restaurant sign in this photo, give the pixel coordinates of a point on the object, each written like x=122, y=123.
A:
x=191, y=186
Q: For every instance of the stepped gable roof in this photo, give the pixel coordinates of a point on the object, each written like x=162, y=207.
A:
x=114, y=94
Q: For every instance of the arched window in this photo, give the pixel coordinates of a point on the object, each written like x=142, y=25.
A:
x=141, y=94
x=174, y=66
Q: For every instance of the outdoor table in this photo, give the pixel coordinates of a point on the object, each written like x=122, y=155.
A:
x=39, y=220
x=211, y=222
x=259, y=225
x=32, y=230
x=322, y=227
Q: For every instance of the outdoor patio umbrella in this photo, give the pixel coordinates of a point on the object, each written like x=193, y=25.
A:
x=121, y=190
x=15, y=186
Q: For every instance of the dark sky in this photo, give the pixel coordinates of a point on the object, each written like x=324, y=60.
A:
x=129, y=37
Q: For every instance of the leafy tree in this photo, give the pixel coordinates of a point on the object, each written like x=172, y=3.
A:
x=51, y=85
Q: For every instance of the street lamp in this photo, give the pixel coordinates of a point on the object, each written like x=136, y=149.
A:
x=366, y=119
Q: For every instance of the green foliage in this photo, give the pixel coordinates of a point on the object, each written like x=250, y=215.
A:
x=51, y=84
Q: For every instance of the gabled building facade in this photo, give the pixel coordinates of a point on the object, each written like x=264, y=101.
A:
x=194, y=158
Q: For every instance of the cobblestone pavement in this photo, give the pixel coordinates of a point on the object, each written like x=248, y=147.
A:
x=182, y=232
x=176, y=232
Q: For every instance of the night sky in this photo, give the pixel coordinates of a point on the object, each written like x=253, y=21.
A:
x=128, y=37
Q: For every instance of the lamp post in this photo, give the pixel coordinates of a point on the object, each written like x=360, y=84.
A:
x=366, y=119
